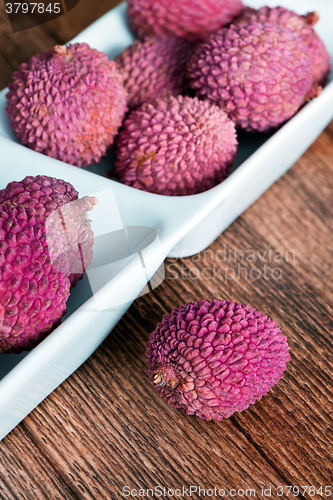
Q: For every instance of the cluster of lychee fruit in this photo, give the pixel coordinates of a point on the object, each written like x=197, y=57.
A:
x=249, y=69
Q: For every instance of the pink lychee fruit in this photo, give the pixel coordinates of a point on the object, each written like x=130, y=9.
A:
x=34, y=288
x=67, y=103
x=190, y=19
x=260, y=74
x=176, y=146
x=215, y=358
x=303, y=26
x=154, y=68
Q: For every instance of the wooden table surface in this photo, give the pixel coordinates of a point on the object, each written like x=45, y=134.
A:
x=106, y=428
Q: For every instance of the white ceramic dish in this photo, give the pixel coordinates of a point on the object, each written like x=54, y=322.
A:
x=140, y=229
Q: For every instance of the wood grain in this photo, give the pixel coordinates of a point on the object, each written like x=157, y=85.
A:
x=300, y=211
x=106, y=427
x=25, y=473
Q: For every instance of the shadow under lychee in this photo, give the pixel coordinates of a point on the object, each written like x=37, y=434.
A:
x=9, y=361
x=248, y=143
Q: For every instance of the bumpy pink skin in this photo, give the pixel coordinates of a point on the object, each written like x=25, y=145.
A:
x=214, y=358
x=260, y=74
x=190, y=19
x=33, y=293
x=154, y=68
x=67, y=103
x=176, y=147
x=302, y=25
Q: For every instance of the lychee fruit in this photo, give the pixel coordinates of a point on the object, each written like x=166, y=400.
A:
x=215, y=358
x=38, y=265
x=154, y=68
x=260, y=74
x=190, y=19
x=67, y=103
x=176, y=146
x=303, y=26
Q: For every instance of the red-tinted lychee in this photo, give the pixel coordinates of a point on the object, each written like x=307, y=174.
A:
x=214, y=358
